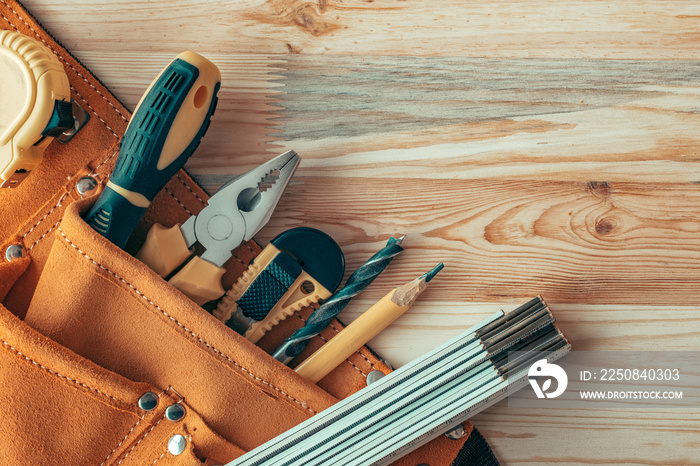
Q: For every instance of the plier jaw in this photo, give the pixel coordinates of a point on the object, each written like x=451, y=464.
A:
x=240, y=208
x=256, y=203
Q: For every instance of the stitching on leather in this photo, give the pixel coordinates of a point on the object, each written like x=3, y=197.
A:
x=49, y=231
x=129, y=433
x=114, y=133
x=140, y=440
x=68, y=379
x=156, y=460
x=8, y=21
x=114, y=153
x=191, y=190
x=303, y=404
x=125, y=437
x=45, y=216
x=178, y=200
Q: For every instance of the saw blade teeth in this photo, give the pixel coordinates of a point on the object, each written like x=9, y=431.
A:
x=269, y=180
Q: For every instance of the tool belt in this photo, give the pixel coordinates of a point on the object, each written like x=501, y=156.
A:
x=99, y=354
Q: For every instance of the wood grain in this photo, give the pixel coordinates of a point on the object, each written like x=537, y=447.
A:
x=442, y=118
x=431, y=322
x=574, y=242
x=570, y=437
x=535, y=147
x=548, y=28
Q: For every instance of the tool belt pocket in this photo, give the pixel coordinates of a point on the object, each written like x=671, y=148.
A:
x=122, y=319
x=103, y=304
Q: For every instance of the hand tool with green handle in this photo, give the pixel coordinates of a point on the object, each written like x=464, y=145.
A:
x=165, y=129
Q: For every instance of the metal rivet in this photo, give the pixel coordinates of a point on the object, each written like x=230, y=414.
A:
x=456, y=433
x=175, y=412
x=374, y=376
x=86, y=186
x=177, y=444
x=14, y=252
x=148, y=401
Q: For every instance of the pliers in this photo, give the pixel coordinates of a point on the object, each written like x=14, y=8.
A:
x=238, y=210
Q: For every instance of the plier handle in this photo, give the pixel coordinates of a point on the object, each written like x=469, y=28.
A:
x=238, y=210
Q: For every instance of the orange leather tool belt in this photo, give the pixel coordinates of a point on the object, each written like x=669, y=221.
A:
x=86, y=329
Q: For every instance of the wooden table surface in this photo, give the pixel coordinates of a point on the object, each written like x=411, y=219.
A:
x=534, y=147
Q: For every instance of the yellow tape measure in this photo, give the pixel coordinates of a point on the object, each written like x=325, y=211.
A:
x=35, y=104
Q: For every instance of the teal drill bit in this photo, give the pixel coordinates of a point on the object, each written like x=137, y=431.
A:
x=322, y=317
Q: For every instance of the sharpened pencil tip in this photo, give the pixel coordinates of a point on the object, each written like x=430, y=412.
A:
x=430, y=275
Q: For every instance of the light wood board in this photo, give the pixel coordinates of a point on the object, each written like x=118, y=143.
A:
x=534, y=147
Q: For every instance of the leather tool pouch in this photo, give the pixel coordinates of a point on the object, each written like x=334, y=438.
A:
x=86, y=329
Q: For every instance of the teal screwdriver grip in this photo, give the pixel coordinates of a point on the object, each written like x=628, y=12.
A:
x=112, y=203
x=137, y=170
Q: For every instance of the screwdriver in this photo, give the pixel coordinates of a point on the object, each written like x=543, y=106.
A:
x=169, y=121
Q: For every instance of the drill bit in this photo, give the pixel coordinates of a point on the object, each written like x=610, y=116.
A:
x=322, y=317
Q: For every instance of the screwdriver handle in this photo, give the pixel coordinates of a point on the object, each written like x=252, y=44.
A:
x=165, y=129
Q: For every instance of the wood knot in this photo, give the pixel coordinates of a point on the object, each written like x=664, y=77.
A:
x=600, y=188
x=307, y=16
x=606, y=226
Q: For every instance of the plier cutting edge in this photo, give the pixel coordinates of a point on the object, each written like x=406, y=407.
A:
x=238, y=210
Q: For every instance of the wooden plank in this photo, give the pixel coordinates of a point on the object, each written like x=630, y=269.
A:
x=611, y=437
x=482, y=118
x=449, y=118
x=595, y=243
x=531, y=28
x=604, y=327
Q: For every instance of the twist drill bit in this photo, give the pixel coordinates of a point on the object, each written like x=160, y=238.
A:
x=322, y=317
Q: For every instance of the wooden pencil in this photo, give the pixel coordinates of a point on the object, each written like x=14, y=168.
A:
x=364, y=328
